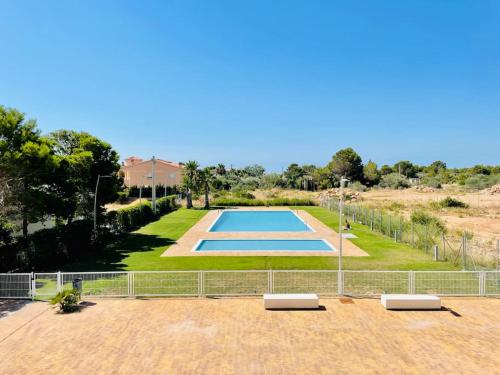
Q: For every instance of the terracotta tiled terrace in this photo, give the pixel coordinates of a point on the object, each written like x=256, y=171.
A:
x=237, y=336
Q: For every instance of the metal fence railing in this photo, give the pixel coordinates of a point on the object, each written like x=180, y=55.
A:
x=235, y=283
x=470, y=251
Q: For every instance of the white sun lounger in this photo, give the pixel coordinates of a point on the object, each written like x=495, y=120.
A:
x=291, y=301
x=410, y=302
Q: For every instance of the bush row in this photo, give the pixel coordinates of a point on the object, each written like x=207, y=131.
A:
x=259, y=202
x=135, y=216
x=51, y=248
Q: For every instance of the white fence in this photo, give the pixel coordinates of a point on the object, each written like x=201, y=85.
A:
x=249, y=283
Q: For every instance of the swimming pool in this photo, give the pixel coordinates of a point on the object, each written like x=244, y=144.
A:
x=263, y=245
x=259, y=221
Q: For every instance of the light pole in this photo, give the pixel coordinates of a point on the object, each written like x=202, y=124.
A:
x=153, y=191
x=341, y=203
x=95, y=201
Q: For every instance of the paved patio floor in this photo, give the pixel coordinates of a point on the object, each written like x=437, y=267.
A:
x=237, y=336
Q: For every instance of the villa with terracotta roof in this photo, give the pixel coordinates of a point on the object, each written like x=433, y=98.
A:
x=136, y=171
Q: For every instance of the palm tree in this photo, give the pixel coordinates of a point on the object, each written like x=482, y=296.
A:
x=220, y=169
x=190, y=180
x=206, y=180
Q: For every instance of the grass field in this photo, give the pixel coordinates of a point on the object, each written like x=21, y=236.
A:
x=141, y=250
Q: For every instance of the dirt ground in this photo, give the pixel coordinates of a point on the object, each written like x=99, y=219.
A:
x=482, y=217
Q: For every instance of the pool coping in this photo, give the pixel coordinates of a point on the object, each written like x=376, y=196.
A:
x=332, y=248
x=184, y=245
x=209, y=230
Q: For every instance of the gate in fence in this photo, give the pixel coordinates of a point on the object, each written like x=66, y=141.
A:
x=250, y=283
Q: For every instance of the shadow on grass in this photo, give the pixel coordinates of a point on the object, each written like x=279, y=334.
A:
x=110, y=259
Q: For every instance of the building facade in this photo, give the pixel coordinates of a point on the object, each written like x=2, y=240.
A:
x=138, y=172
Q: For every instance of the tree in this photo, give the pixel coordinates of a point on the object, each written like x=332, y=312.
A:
x=190, y=180
x=272, y=180
x=436, y=168
x=371, y=174
x=347, y=163
x=206, y=179
x=385, y=169
x=308, y=181
x=27, y=163
x=254, y=170
x=81, y=159
x=325, y=178
x=220, y=169
x=481, y=169
x=405, y=168
x=292, y=175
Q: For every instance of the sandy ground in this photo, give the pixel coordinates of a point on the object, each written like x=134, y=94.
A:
x=237, y=336
x=482, y=217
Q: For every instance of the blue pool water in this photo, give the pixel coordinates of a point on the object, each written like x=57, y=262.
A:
x=263, y=245
x=259, y=221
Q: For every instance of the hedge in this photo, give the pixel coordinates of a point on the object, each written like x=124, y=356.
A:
x=259, y=202
x=141, y=214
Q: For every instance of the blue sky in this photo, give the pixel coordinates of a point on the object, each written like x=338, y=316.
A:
x=269, y=82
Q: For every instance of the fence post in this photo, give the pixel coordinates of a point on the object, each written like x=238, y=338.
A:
x=33, y=285
x=130, y=283
x=395, y=236
x=270, y=281
x=426, y=237
x=498, y=255
x=482, y=283
x=59, y=282
x=340, y=282
x=372, y=220
x=412, y=235
x=410, y=282
x=464, y=251
x=390, y=225
x=443, y=239
x=201, y=284
x=436, y=253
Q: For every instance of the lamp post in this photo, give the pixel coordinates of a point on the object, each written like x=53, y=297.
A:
x=341, y=203
x=95, y=201
x=153, y=178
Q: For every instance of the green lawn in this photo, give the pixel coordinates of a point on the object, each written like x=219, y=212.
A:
x=141, y=250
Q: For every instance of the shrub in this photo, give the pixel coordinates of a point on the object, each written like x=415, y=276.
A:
x=479, y=182
x=243, y=194
x=423, y=218
x=8, y=249
x=432, y=182
x=122, y=197
x=135, y=216
x=166, y=204
x=357, y=186
x=452, y=203
x=67, y=299
x=394, y=181
x=259, y=202
x=140, y=214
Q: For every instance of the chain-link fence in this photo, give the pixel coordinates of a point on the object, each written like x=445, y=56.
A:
x=467, y=250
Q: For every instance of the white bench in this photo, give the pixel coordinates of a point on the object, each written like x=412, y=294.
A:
x=291, y=301
x=410, y=302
